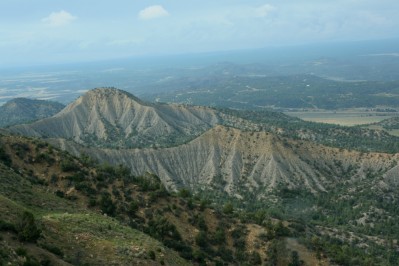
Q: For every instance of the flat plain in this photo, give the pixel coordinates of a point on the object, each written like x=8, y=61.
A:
x=343, y=117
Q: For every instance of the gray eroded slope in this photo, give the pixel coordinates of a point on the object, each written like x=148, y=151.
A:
x=112, y=118
x=237, y=161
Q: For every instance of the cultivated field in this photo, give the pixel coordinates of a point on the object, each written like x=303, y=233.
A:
x=345, y=118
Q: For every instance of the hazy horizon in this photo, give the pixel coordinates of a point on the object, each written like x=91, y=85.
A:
x=48, y=32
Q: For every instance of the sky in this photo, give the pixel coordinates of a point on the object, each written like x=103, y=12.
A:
x=60, y=31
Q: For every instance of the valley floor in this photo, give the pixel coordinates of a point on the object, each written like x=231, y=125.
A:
x=346, y=117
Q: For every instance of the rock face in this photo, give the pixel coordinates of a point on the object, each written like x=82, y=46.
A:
x=109, y=117
x=239, y=162
x=22, y=110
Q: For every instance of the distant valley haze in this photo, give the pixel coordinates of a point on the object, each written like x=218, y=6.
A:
x=47, y=32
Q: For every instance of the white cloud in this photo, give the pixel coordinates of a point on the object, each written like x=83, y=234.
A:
x=57, y=19
x=152, y=12
x=263, y=11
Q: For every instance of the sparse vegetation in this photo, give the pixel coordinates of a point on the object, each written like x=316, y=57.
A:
x=56, y=201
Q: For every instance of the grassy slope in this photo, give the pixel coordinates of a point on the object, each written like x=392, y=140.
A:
x=82, y=235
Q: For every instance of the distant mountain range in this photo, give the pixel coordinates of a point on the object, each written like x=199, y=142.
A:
x=22, y=110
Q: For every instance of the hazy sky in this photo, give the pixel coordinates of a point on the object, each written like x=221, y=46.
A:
x=46, y=31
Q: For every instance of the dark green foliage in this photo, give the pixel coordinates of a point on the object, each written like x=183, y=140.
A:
x=190, y=203
x=77, y=177
x=60, y=194
x=199, y=257
x=86, y=160
x=201, y=223
x=30, y=261
x=255, y=259
x=225, y=254
x=4, y=157
x=21, y=149
x=151, y=254
x=148, y=183
x=162, y=229
x=295, y=259
x=272, y=253
x=86, y=188
x=69, y=165
x=45, y=158
x=185, y=250
x=21, y=251
x=133, y=208
x=228, y=208
x=201, y=239
x=281, y=230
x=53, y=249
x=6, y=226
x=92, y=202
x=238, y=232
x=184, y=193
x=45, y=262
x=27, y=228
x=203, y=204
x=219, y=237
x=107, y=205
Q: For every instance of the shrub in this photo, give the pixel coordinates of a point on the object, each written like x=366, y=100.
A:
x=4, y=157
x=6, y=226
x=20, y=149
x=162, y=229
x=27, y=228
x=45, y=157
x=68, y=165
x=228, y=208
x=201, y=239
x=92, y=202
x=107, y=205
x=295, y=259
x=220, y=236
x=60, y=194
x=21, y=252
x=30, y=261
x=255, y=258
x=133, y=208
x=53, y=249
x=151, y=254
x=184, y=193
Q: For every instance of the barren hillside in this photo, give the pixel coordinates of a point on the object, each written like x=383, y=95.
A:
x=109, y=117
x=239, y=161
